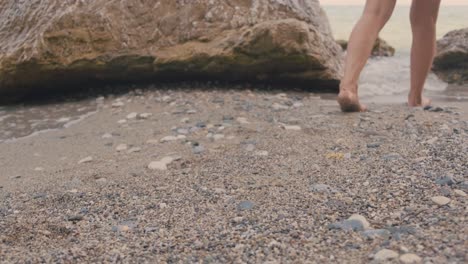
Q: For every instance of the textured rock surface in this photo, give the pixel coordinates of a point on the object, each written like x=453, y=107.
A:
x=451, y=61
x=381, y=48
x=69, y=42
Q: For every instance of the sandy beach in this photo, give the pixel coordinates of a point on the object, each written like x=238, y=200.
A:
x=237, y=175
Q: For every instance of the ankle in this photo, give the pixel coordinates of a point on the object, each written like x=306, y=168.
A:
x=348, y=88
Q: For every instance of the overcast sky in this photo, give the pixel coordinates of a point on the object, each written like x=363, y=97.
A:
x=401, y=2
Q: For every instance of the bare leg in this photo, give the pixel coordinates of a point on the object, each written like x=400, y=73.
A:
x=375, y=16
x=423, y=23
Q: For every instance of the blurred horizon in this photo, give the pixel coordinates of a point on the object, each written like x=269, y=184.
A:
x=399, y=2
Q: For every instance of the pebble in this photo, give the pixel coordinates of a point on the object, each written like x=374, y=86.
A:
x=279, y=107
x=362, y=219
x=157, y=165
x=245, y=205
x=460, y=193
x=242, y=120
x=376, y=233
x=122, y=121
x=133, y=150
x=391, y=156
x=162, y=164
x=410, y=258
x=86, y=160
x=385, y=255
x=38, y=169
x=172, y=138
x=218, y=136
x=198, y=149
x=121, y=147
x=261, y=153
x=347, y=225
x=321, y=188
x=374, y=145
x=293, y=128
x=144, y=115
x=447, y=180
x=107, y=135
x=132, y=115
x=75, y=218
x=185, y=120
x=441, y=200
x=101, y=180
x=117, y=104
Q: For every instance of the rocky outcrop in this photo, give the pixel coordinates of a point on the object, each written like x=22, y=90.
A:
x=381, y=48
x=68, y=43
x=451, y=61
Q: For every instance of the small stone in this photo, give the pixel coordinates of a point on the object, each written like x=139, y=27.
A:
x=85, y=160
x=157, y=165
x=376, y=233
x=107, y=135
x=182, y=131
x=279, y=107
x=172, y=138
x=410, y=258
x=121, y=147
x=432, y=140
x=122, y=121
x=238, y=219
x=245, y=205
x=75, y=218
x=347, y=225
x=460, y=193
x=218, y=136
x=391, y=156
x=321, y=188
x=117, y=104
x=185, y=120
x=132, y=115
x=441, y=200
x=261, y=153
x=293, y=128
x=362, y=219
x=198, y=149
x=144, y=115
x=162, y=205
x=385, y=255
x=38, y=169
x=191, y=112
x=242, y=120
x=374, y=145
x=133, y=150
x=219, y=190
x=447, y=180
x=101, y=180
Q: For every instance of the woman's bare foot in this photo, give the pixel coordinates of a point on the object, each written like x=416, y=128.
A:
x=349, y=102
x=419, y=102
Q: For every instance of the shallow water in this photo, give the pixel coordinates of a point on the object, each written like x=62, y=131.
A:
x=24, y=120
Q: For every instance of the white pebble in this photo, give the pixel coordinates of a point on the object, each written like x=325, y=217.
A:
x=385, y=254
x=107, y=135
x=460, y=193
x=121, y=147
x=86, y=160
x=132, y=115
x=441, y=200
x=410, y=258
x=144, y=115
x=242, y=120
x=361, y=219
x=294, y=128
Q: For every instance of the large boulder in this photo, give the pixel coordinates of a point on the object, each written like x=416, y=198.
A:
x=451, y=61
x=68, y=43
x=380, y=49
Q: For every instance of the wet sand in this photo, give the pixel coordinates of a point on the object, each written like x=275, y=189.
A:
x=234, y=176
